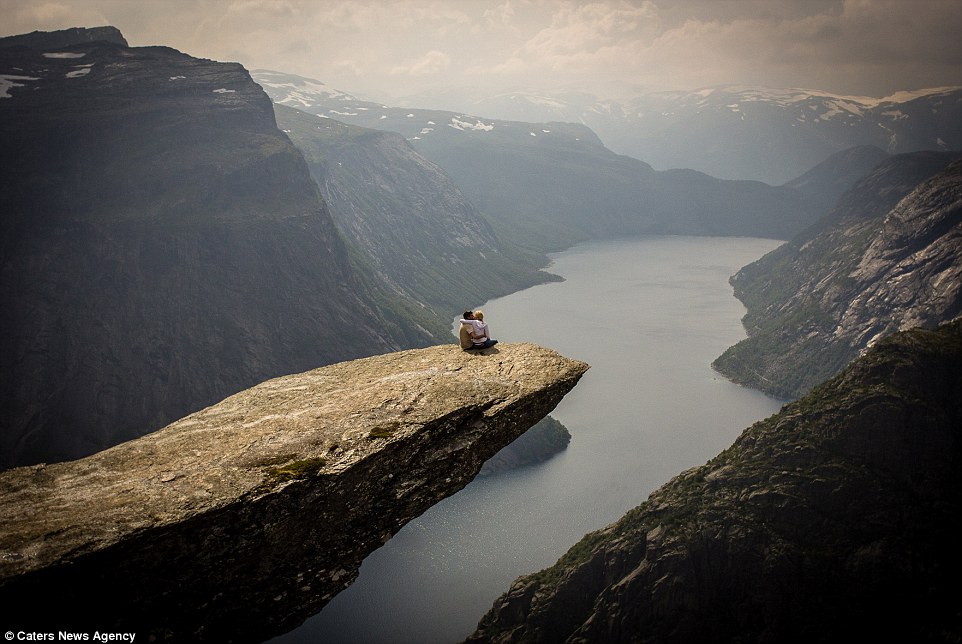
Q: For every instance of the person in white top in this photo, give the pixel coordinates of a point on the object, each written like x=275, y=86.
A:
x=478, y=330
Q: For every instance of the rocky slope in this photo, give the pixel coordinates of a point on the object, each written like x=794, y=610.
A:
x=424, y=238
x=888, y=258
x=833, y=520
x=238, y=521
x=163, y=246
x=547, y=185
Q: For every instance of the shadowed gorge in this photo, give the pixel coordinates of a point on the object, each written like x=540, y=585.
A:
x=238, y=521
x=425, y=240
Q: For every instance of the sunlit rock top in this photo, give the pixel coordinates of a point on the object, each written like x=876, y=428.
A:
x=252, y=513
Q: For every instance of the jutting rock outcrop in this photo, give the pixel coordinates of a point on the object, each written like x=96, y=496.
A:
x=835, y=520
x=239, y=521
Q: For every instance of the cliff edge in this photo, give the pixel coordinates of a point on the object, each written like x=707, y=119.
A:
x=239, y=521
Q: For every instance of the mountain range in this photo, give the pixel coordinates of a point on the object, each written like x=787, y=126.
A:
x=824, y=521
x=548, y=185
x=745, y=132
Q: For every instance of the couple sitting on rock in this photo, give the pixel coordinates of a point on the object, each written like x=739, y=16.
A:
x=474, y=332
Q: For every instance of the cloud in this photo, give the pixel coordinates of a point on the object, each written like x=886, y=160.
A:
x=260, y=8
x=588, y=34
x=855, y=46
x=22, y=17
x=864, y=46
x=355, y=17
x=501, y=15
x=871, y=47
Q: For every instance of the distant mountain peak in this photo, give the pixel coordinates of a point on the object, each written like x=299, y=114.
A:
x=65, y=38
x=906, y=96
x=738, y=131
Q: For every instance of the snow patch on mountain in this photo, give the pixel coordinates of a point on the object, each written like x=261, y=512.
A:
x=535, y=99
x=8, y=80
x=905, y=97
x=458, y=124
x=701, y=129
x=297, y=90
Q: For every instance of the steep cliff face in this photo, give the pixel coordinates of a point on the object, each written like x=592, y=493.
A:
x=238, y=521
x=887, y=258
x=548, y=185
x=425, y=239
x=833, y=520
x=163, y=246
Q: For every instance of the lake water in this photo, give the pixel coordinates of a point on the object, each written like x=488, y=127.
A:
x=649, y=315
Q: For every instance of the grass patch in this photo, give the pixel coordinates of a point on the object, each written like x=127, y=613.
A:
x=295, y=470
x=383, y=431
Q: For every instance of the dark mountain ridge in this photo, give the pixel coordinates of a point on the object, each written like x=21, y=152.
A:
x=163, y=246
x=65, y=38
x=833, y=520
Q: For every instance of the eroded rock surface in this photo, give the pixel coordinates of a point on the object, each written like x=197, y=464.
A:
x=888, y=258
x=239, y=521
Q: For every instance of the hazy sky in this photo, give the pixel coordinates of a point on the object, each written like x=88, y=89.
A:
x=866, y=47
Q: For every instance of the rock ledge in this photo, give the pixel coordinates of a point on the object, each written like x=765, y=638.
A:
x=240, y=520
